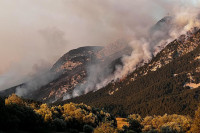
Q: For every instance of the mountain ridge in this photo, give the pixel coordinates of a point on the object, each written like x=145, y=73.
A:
x=71, y=70
x=171, y=74
x=155, y=83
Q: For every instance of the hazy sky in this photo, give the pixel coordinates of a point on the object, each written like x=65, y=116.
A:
x=35, y=33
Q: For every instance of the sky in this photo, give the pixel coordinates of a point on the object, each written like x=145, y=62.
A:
x=35, y=33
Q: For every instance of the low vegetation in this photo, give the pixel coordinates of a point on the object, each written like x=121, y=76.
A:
x=19, y=115
x=23, y=115
x=121, y=122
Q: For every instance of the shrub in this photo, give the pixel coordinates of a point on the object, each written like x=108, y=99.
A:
x=59, y=124
x=14, y=99
x=105, y=128
x=87, y=129
x=196, y=123
x=134, y=125
x=168, y=130
x=136, y=117
x=179, y=123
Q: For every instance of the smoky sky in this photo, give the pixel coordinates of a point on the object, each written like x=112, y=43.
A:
x=35, y=33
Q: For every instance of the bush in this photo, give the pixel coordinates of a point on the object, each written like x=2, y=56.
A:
x=196, y=124
x=59, y=124
x=178, y=123
x=14, y=99
x=168, y=130
x=105, y=128
x=87, y=128
x=23, y=115
x=21, y=118
x=152, y=131
x=131, y=131
x=134, y=125
x=136, y=117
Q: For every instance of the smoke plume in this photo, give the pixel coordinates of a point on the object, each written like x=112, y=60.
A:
x=145, y=45
x=35, y=33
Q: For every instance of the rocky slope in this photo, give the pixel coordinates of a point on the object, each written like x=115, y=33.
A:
x=72, y=70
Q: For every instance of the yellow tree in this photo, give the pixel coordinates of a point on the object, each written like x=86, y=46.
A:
x=105, y=128
x=14, y=99
x=196, y=123
x=45, y=112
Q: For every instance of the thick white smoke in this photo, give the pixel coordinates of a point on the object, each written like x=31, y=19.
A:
x=30, y=59
x=41, y=31
x=32, y=31
x=183, y=19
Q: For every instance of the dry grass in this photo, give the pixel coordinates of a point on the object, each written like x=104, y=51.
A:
x=121, y=122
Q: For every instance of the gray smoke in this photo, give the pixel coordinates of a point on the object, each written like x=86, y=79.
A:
x=27, y=36
x=26, y=30
x=35, y=83
x=36, y=62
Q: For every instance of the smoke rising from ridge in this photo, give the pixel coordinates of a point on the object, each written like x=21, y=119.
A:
x=35, y=33
x=182, y=22
x=183, y=19
x=26, y=27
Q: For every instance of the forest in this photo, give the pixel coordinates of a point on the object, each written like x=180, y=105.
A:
x=158, y=92
x=23, y=116
x=158, y=102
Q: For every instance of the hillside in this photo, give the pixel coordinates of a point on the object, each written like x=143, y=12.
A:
x=169, y=83
x=83, y=68
x=72, y=70
x=171, y=76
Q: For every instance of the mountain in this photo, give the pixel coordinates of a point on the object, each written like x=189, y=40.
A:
x=72, y=70
x=169, y=83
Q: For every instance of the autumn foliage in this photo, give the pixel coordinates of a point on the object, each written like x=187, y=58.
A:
x=70, y=117
x=23, y=115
